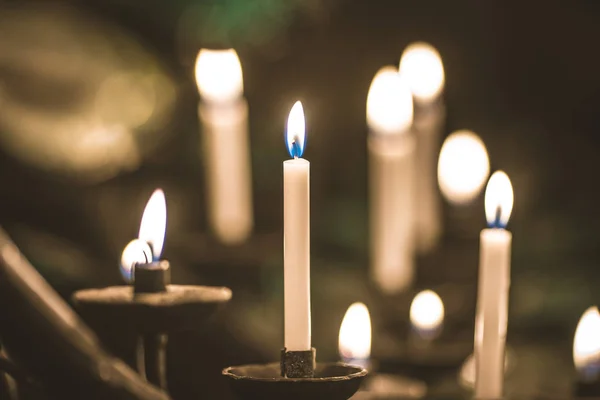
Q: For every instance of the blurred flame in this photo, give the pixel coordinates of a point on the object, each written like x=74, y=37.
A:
x=422, y=68
x=355, y=333
x=463, y=167
x=295, y=134
x=136, y=252
x=586, y=345
x=154, y=223
x=389, y=103
x=219, y=75
x=498, y=200
x=427, y=311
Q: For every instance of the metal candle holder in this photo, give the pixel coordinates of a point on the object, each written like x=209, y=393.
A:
x=331, y=381
x=151, y=308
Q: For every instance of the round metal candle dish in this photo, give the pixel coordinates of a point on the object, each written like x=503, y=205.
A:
x=180, y=307
x=331, y=381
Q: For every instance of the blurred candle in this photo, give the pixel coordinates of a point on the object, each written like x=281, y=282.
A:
x=391, y=157
x=586, y=346
x=421, y=67
x=427, y=315
x=354, y=343
x=223, y=114
x=492, y=296
x=463, y=167
x=296, y=235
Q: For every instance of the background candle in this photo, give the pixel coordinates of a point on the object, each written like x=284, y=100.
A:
x=296, y=235
x=391, y=157
x=427, y=315
x=223, y=115
x=354, y=343
x=421, y=67
x=492, y=297
x=586, y=347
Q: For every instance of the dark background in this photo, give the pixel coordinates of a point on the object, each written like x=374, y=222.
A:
x=524, y=75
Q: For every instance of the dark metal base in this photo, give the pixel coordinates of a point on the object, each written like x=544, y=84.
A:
x=331, y=381
x=180, y=308
x=298, y=364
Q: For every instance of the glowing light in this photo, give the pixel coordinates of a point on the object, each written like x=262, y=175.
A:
x=498, y=200
x=463, y=167
x=295, y=133
x=355, y=333
x=586, y=345
x=389, y=103
x=136, y=252
x=421, y=66
x=219, y=75
x=427, y=311
x=154, y=223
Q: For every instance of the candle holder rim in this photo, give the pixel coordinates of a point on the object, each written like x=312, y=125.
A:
x=359, y=373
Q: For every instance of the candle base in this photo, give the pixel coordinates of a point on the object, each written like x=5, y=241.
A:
x=298, y=364
x=331, y=381
x=151, y=278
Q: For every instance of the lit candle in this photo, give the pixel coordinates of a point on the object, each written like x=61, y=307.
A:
x=421, y=66
x=296, y=236
x=586, y=354
x=427, y=315
x=492, y=297
x=354, y=344
x=223, y=114
x=391, y=157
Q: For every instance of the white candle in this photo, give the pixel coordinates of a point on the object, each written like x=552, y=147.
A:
x=296, y=235
x=421, y=66
x=354, y=340
x=223, y=114
x=492, y=297
x=391, y=157
x=586, y=346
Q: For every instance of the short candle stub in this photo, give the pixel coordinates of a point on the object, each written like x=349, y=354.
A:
x=152, y=278
x=298, y=364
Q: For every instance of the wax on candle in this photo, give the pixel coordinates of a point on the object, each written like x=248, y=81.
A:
x=421, y=67
x=586, y=346
x=492, y=297
x=223, y=114
x=463, y=167
x=354, y=342
x=391, y=172
x=296, y=236
x=427, y=314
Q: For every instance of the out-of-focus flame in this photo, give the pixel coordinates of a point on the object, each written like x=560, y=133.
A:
x=389, y=103
x=463, y=167
x=219, y=75
x=427, y=311
x=154, y=223
x=421, y=66
x=295, y=133
x=355, y=333
x=586, y=345
x=136, y=252
x=498, y=200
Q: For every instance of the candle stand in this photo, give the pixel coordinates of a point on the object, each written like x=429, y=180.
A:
x=331, y=381
x=151, y=309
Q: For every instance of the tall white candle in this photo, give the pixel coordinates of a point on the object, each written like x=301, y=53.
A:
x=421, y=67
x=492, y=297
x=296, y=235
x=391, y=168
x=223, y=114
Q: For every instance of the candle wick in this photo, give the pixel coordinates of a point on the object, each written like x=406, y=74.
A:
x=296, y=151
x=497, y=220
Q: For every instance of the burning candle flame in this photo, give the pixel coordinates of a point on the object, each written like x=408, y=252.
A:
x=219, y=75
x=498, y=200
x=295, y=134
x=586, y=345
x=154, y=223
x=421, y=66
x=355, y=333
x=463, y=167
x=427, y=311
x=389, y=103
x=136, y=252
